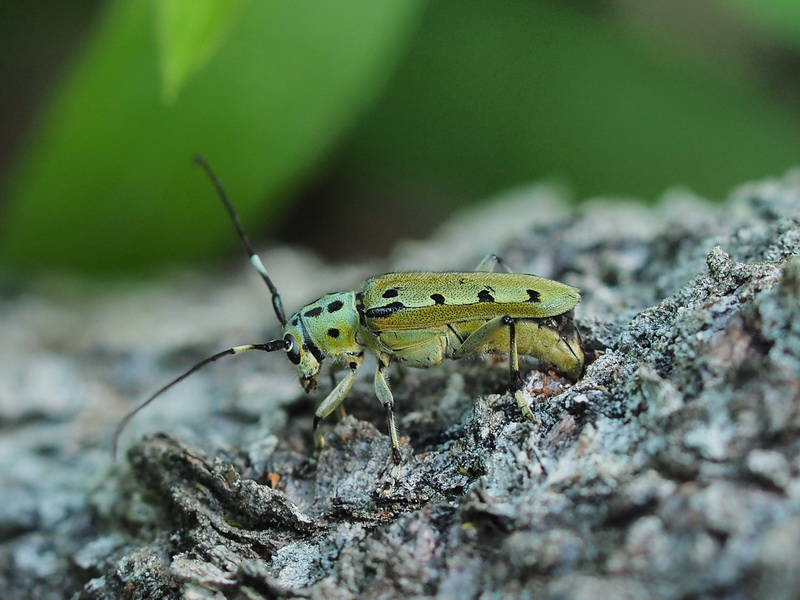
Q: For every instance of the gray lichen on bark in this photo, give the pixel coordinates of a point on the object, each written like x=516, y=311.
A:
x=670, y=470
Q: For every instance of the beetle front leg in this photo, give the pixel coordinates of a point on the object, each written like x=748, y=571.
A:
x=334, y=399
x=385, y=396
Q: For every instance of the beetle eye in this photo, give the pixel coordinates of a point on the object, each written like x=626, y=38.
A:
x=292, y=349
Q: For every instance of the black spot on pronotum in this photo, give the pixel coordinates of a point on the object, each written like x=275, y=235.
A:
x=360, y=309
x=383, y=311
x=437, y=298
x=333, y=332
x=314, y=312
x=485, y=296
x=533, y=296
x=310, y=346
x=335, y=305
x=392, y=293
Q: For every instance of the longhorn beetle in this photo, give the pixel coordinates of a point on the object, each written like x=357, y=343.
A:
x=417, y=318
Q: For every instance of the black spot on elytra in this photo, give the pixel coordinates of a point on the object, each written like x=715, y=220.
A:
x=534, y=296
x=335, y=305
x=333, y=332
x=437, y=298
x=314, y=312
x=295, y=322
x=392, y=293
x=383, y=311
x=485, y=296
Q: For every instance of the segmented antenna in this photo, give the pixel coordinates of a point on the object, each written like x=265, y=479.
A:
x=255, y=260
x=266, y=347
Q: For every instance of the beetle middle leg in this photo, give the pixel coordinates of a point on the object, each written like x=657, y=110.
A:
x=483, y=336
x=334, y=399
x=385, y=396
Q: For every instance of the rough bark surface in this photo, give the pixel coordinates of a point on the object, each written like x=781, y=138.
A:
x=670, y=470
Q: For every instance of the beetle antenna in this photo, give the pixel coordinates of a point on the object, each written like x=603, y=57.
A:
x=255, y=260
x=266, y=347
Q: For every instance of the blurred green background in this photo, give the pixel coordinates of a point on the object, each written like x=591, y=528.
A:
x=345, y=125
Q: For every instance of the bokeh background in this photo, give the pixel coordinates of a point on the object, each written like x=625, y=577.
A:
x=345, y=125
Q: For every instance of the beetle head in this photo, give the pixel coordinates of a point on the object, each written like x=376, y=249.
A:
x=301, y=352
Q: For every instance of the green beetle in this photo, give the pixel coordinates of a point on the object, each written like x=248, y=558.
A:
x=420, y=319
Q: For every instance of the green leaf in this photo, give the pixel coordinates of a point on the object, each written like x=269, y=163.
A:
x=188, y=32
x=779, y=18
x=565, y=92
x=107, y=183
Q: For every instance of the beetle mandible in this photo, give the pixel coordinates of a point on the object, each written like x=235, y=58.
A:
x=416, y=318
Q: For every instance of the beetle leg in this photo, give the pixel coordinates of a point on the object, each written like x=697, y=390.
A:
x=481, y=336
x=490, y=261
x=515, y=382
x=334, y=399
x=341, y=413
x=486, y=333
x=385, y=396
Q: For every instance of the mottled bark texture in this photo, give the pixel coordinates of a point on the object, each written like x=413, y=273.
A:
x=670, y=470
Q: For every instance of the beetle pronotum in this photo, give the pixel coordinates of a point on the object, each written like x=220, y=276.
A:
x=417, y=318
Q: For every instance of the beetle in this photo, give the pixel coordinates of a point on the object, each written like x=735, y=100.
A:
x=415, y=318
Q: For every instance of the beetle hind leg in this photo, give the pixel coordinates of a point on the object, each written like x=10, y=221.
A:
x=490, y=261
x=484, y=335
x=516, y=382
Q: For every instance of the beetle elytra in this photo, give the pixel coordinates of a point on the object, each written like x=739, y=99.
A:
x=416, y=318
